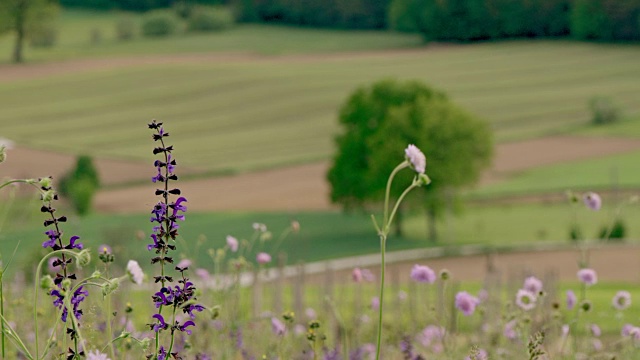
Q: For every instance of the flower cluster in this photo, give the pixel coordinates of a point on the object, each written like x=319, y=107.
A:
x=61, y=265
x=165, y=215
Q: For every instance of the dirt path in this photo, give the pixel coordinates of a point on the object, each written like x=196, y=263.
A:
x=304, y=187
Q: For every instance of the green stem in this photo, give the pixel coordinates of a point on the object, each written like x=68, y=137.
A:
x=383, y=240
x=109, y=330
x=387, y=193
x=414, y=185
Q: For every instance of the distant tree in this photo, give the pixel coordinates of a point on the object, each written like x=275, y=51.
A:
x=379, y=121
x=22, y=15
x=81, y=184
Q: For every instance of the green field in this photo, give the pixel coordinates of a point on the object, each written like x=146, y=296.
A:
x=75, y=28
x=602, y=173
x=268, y=112
x=323, y=235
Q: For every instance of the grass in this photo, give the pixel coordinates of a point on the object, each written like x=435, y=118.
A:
x=603, y=173
x=250, y=114
x=75, y=28
x=323, y=235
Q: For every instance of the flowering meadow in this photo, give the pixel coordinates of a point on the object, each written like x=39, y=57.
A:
x=83, y=306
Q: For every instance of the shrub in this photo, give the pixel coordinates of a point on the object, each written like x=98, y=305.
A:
x=615, y=232
x=125, y=28
x=80, y=184
x=603, y=110
x=205, y=18
x=159, y=23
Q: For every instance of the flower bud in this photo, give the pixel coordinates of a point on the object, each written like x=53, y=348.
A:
x=109, y=287
x=83, y=258
x=96, y=274
x=48, y=196
x=423, y=179
x=45, y=182
x=585, y=305
x=445, y=274
x=46, y=283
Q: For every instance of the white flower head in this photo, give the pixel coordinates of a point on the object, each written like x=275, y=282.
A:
x=416, y=158
x=135, y=272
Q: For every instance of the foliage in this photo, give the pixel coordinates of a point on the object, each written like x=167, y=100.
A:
x=603, y=111
x=379, y=121
x=125, y=28
x=614, y=232
x=33, y=19
x=159, y=23
x=81, y=184
x=350, y=14
x=204, y=19
x=605, y=20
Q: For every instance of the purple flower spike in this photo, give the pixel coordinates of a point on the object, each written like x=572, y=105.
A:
x=161, y=323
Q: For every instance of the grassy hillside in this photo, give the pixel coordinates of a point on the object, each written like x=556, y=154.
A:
x=75, y=30
x=247, y=114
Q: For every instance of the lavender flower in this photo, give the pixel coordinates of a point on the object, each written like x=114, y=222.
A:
x=166, y=215
x=277, y=326
x=263, y=258
x=466, y=303
x=587, y=276
x=525, y=299
x=595, y=330
x=135, y=272
x=96, y=355
x=621, y=300
x=571, y=299
x=510, y=330
x=416, y=158
x=423, y=274
x=232, y=243
x=533, y=285
x=592, y=201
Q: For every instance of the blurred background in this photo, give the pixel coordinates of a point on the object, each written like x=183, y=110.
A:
x=285, y=110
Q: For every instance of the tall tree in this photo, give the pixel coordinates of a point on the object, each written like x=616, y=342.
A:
x=379, y=122
x=21, y=15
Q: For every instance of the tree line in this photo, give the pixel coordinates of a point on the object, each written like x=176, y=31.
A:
x=436, y=20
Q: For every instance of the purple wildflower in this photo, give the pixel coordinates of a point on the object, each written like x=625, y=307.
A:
x=424, y=274
x=466, y=303
x=621, y=300
x=232, y=243
x=263, y=258
x=416, y=158
x=525, y=299
x=571, y=299
x=592, y=201
x=533, y=285
x=595, y=330
x=510, y=330
x=277, y=326
x=587, y=276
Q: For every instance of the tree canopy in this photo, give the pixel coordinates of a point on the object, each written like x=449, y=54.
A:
x=379, y=121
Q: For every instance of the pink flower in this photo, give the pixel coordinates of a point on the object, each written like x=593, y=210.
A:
x=431, y=334
x=416, y=158
x=423, y=274
x=622, y=300
x=232, y=243
x=595, y=330
x=375, y=303
x=263, y=258
x=571, y=299
x=277, y=326
x=525, y=299
x=135, y=272
x=466, y=302
x=592, y=200
x=510, y=330
x=184, y=263
x=533, y=285
x=356, y=274
x=588, y=276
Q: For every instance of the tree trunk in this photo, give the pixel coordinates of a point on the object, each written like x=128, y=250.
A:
x=432, y=233
x=20, y=14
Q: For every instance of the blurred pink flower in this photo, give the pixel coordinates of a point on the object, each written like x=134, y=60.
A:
x=232, y=243
x=424, y=274
x=416, y=158
x=533, y=285
x=525, y=300
x=571, y=299
x=263, y=258
x=592, y=200
x=622, y=300
x=466, y=302
x=588, y=276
